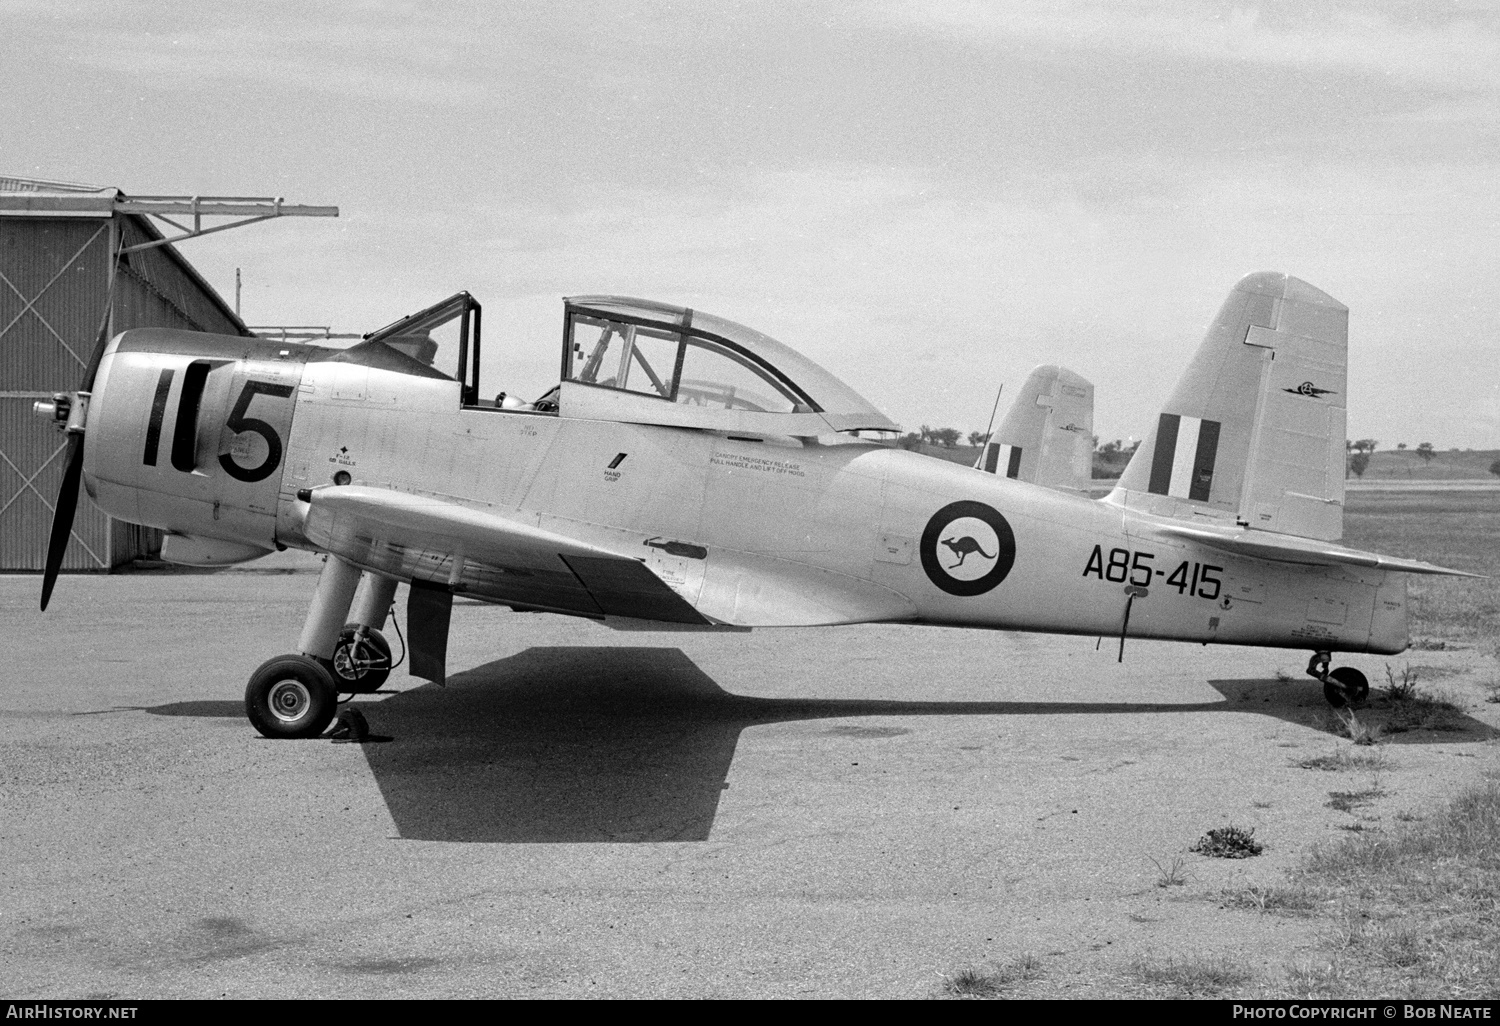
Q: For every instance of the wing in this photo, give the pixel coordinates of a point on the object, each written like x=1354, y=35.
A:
x=418, y=537
x=1281, y=548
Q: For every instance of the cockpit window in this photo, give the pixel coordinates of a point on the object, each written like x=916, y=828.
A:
x=675, y=365
x=632, y=357
x=441, y=341
x=716, y=376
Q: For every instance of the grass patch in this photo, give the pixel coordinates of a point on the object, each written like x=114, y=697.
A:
x=1424, y=710
x=1435, y=672
x=1348, y=801
x=994, y=980
x=1272, y=898
x=1344, y=723
x=1345, y=760
x=1451, y=529
x=1432, y=645
x=1416, y=907
x=1402, y=706
x=1229, y=842
x=1192, y=977
x=1361, y=732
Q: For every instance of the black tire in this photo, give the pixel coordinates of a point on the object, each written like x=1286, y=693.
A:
x=1346, y=686
x=360, y=668
x=291, y=696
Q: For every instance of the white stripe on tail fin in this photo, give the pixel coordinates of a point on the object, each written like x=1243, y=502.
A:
x=1254, y=431
x=1047, y=435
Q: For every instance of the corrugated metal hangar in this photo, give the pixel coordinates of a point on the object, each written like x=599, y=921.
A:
x=74, y=261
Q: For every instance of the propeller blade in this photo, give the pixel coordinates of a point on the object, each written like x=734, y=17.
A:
x=62, y=515
x=100, y=344
x=67, y=495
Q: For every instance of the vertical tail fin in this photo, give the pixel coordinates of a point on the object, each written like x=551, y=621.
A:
x=1047, y=435
x=1254, y=431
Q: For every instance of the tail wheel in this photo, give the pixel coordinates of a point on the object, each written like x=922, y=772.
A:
x=291, y=696
x=361, y=660
x=1345, y=686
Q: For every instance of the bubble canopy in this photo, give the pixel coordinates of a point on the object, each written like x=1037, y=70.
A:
x=651, y=362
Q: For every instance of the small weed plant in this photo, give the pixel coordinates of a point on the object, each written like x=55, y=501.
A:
x=1403, y=690
x=1358, y=731
x=1229, y=842
x=1170, y=874
x=1344, y=723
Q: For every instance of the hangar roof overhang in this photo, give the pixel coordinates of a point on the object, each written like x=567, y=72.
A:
x=20, y=197
x=32, y=197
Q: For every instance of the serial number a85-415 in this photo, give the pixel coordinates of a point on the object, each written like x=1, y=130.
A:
x=1121, y=565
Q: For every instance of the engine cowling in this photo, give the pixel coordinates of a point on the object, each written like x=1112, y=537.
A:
x=187, y=432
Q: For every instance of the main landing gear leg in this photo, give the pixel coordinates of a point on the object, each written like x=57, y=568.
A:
x=362, y=657
x=295, y=695
x=1342, y=687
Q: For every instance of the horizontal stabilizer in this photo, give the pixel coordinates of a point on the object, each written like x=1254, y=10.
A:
x=1047, y=437
x=1308, y=552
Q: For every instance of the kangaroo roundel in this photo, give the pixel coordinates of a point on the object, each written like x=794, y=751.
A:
x=967, y=548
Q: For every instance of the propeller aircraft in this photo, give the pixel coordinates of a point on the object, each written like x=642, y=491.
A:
x=689, y=470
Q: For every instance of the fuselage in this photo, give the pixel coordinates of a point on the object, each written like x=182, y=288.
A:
x=751, y=529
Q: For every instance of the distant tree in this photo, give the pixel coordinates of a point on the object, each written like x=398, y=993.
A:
x=911, y=440
x=978, y=438
x=1358, y=462
x=946, y=437
x=1495, y=468
x=1365, y=445
x=925, y=432
x=1110, y=448
x=1130, y=450
x=1425, y=451
x=1401, y=445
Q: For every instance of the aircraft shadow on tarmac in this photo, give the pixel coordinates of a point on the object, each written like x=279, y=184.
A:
x=605, y=744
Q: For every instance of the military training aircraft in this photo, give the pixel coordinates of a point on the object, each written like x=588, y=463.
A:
x=689, y=470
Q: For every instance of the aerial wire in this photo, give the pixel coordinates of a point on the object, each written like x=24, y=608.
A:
x=989, y=428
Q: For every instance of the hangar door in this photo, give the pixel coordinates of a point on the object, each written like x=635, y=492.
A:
x=54, y=275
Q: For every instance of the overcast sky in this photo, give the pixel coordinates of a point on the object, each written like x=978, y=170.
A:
x=928, y=198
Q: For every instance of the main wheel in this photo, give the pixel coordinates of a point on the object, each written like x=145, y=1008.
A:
x=1345, y=686
x=291, y=696
x=360, y=665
